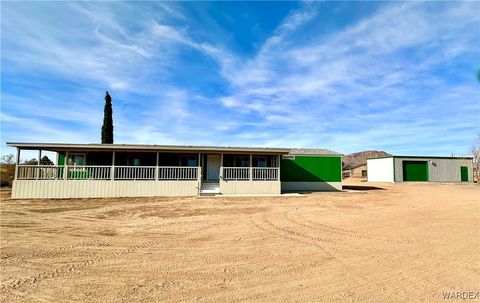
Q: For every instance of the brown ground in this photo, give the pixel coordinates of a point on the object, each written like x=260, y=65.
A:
x=400, y=243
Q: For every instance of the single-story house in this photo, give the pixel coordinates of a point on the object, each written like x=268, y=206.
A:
x=131, y=170
x=419, y=168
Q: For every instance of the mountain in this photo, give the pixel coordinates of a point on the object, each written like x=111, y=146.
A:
x=356, y=159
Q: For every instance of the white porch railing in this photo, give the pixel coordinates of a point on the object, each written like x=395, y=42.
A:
x=91, y=172
x=134, y=172
x=88, y=172
x=264, y=173
x=236, y=173
x=177, y=173
x=39, y=172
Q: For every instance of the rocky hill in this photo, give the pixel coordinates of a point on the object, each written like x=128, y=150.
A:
x=355, y=159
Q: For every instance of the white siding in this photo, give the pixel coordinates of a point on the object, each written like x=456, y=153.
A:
x=313, y=186
x=247, y=187
x=101, y=188
x=380, y=170
x=439, y=170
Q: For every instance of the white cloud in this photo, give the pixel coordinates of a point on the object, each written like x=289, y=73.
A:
x=384, y=81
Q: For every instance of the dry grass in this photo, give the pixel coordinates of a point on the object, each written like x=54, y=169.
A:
x=401, y=243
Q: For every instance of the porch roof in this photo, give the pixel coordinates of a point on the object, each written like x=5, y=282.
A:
x=56, y=147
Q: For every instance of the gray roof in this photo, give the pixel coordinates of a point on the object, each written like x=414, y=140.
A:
x=144, y=147
x=155, y=147
x=312, y=151
x=423, y=157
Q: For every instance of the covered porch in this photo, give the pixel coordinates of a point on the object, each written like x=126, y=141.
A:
x=159, y=170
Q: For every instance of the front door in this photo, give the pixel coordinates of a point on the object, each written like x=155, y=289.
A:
x=213, y=167
x=464, y=173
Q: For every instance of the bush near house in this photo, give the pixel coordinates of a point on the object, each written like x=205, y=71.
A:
x=7, y=173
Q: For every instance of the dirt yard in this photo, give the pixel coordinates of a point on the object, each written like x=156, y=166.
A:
x=392, y=243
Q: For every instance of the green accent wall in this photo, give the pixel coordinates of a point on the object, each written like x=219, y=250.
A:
x=61, y=158
x=311, y=169
x=464, y=173
x=415, y=171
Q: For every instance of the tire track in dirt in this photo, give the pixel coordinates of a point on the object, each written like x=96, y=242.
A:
x=362, y=281
x=325, y=242
x=102, y=240
x=342, y=231
x=74, y=268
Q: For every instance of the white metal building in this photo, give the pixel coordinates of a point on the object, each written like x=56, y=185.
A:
x=420, y=169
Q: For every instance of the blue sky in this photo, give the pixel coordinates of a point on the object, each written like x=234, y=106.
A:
x=348, y=76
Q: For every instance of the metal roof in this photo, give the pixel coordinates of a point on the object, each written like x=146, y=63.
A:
x=155, y=147
x=143, y=147
x=423, y=157
x=313, y=151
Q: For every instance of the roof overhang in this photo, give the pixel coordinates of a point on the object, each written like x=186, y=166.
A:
x=57, y=147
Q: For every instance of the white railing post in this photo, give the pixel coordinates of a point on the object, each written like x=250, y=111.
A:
x=65, y=166
x=221, y=167
x=278, y=167
x=251, y=169
x=112, y=169
x=156, y=166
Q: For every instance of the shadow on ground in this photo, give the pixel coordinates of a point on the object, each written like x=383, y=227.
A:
x=361, y=187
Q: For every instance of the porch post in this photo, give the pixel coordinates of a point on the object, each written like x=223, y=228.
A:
x=221, y=166
x=37, y=169
x=199, y=169
x=65, y=168
x=278, y=165
x=251, y=170
x=156, y=167
x=17, y=161
x=112, y=169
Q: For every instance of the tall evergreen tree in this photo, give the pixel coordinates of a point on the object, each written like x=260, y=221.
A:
x=107, y=127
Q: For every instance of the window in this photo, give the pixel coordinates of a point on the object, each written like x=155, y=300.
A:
x=188, y=160
x=259, y=162
x=76, y=159
x=242, y=161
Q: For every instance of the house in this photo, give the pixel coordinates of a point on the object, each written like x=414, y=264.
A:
x=418, y=168
x=358, y=171
x=130, y=170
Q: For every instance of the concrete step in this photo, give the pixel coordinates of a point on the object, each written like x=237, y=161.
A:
x=210, y=188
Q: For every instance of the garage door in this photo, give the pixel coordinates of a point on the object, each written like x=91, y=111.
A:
x=415, y=171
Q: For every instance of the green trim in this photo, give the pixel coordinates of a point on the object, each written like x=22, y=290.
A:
x=394, y=179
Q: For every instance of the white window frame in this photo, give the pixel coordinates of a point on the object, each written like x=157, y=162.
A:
x=74, y=156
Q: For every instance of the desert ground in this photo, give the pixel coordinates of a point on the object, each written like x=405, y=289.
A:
x=369, y=243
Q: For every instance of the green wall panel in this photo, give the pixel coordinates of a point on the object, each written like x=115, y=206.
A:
x=311, y=169
x=415, y=171
x=61, y=158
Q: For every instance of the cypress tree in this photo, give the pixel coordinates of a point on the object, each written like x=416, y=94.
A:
x=107, y=127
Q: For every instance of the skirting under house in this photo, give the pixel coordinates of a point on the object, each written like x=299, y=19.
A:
x=420, y=169
x=119, y=170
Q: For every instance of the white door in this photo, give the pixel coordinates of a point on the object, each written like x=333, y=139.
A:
x=213, y=167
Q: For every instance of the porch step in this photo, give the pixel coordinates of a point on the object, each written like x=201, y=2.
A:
x=210, y=188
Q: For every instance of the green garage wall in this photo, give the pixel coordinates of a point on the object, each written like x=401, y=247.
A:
x=311, y=169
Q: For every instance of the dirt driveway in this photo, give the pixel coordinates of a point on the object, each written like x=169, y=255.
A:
x=383, y=243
